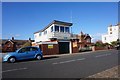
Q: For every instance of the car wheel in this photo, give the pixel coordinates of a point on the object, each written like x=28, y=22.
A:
x=12, y=59
x=38, y=57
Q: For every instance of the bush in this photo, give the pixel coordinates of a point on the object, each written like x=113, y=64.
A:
x=88, y=48
x=99, y=44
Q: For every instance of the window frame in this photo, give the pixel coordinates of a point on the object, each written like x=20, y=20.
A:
x=52, y=29
x=67, y=29
x=57, y=28
x=33, y=49
x=62, y=29
x=45, y=32
x=110, y=32
x=26, y=48
x=40, y=33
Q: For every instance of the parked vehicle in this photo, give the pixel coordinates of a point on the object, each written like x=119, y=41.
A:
x=117, y=47
x=23, y=53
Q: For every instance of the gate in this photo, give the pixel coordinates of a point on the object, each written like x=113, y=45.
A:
x=63, y=47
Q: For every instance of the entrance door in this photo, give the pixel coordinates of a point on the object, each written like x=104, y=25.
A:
x=63, y=47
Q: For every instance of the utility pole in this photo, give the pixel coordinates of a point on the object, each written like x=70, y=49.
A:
x=71, y=20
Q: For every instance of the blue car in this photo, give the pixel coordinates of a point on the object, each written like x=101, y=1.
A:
x=23, y=53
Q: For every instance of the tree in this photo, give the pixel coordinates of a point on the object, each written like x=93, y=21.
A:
x=27, y=44
x=106, y=44
x=114, y=43
x=99, y=44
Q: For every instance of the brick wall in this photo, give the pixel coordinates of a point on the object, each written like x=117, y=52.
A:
x=47, y=50
x=95, y=48
x=75, y=48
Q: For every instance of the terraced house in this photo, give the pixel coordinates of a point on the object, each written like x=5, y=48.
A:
x=56, y=38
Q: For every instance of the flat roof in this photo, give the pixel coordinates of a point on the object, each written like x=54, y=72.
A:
x=55, y=22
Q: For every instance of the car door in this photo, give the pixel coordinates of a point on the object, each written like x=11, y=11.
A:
x=32, y=52
x=23, y=53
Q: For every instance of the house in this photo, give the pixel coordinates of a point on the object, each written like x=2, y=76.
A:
x=84, y=40
x=112, y=35
x=56, y=30
x=11, y=45
x=56, y=38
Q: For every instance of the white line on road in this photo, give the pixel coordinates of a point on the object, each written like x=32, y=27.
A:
x=13, y=70
x=102, y=55
x=81, y=59
x=69, y=61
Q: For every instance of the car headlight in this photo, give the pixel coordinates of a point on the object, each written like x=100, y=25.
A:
x=6, y=56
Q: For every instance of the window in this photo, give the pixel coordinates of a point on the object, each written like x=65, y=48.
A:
x=24, y=50
x=88, y=40
x=67, y=29
x=61, y=29
x=33, y=49
x=40, y=33
x=8, y=45
x=45, y=32
x=52, y=29
x=110, y=29
x=57, y=28
x=35, y=36
x=105, y=38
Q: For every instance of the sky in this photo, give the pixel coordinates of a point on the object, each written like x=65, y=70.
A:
x=22, y=19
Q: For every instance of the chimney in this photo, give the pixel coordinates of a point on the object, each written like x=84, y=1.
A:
x=111, y=25
x=81, y=33
x=13, y=38
x=29, y=39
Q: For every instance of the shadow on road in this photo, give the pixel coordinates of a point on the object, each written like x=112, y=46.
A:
x=50, y=57
x=44, y=58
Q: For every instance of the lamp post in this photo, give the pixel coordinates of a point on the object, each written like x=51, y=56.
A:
x=118, y=44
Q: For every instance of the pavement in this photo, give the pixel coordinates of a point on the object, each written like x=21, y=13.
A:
x=109, y=73
x=71, y=66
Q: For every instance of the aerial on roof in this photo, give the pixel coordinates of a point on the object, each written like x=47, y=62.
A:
x=55, y=22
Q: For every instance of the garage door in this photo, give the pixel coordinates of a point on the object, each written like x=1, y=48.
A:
x=63, y=47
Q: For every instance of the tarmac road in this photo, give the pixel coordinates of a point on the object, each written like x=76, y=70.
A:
x=69, y=66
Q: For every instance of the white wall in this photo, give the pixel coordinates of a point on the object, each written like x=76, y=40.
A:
x=58, y=35
x=111, y=37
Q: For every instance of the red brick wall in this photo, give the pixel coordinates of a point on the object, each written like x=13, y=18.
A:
x=95, y=48
x=50, y=51
x=75, y=48
x=76, y=45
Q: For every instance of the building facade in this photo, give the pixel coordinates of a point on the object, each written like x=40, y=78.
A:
x=55, y=30
x=56, y=38
x=112, y=35
x=56, y=34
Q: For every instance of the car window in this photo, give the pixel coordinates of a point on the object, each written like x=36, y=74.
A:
x=24, y=50
x=33, y=49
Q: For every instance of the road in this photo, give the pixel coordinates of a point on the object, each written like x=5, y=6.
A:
x=70, y=66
